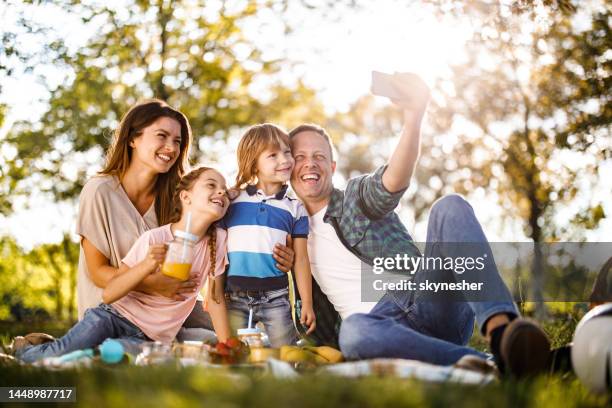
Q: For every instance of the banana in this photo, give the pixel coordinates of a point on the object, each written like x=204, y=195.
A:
x=330, y=354
x=318, y=355
x=295, y=354
x=285, y=350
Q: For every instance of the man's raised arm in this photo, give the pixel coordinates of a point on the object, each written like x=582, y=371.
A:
x=415, y=96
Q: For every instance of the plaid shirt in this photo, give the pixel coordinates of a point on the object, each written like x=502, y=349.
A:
x=366, y=224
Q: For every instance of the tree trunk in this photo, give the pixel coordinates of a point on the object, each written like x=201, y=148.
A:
x=517, y=291
x=163, y=16
x=535, y=212
x=537, y=268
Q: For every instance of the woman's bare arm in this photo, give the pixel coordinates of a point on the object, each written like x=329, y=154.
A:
x=98, y=265
x=101, y=272
x=127, y=278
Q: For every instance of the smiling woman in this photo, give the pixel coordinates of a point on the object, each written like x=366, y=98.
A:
x=131, y=195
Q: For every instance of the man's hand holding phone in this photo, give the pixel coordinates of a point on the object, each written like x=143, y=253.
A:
x=409, y=92
x=406, y=90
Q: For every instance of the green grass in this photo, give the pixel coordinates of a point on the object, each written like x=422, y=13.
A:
x=171, y=386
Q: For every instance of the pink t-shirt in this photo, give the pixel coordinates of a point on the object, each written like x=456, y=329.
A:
x=159, y=317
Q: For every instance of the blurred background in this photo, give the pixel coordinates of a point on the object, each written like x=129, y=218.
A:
x=519, y=121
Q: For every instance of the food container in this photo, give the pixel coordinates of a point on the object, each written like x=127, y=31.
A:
x=262, y=354
x=252, y=337
x=155, y=353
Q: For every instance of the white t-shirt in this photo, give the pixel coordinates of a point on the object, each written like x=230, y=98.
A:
x=335, y=268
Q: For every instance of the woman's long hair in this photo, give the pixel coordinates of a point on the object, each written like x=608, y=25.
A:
x=186, y=184
x=119, y=155
x=255, y=140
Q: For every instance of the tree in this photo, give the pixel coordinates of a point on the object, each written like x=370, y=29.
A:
x=194, y=55
x=59, y=263
x=523, y=92
x=16, y=59
x=41, y=282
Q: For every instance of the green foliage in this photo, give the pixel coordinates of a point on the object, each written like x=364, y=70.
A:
x=507, y=118
x=529, y=7
x=38, y=283
x=525, y=91
x=197, y=58
x=14, y=58
x=579, y=74
x=590, y=218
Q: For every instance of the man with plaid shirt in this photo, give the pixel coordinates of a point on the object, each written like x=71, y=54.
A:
x=359, y=224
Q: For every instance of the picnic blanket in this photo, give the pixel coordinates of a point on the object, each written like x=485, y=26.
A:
x=381, y=367
x=389, y=367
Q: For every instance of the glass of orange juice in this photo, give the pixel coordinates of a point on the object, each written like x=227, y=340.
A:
x=179, y=257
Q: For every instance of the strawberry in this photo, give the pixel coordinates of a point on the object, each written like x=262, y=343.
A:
x=233, y=343
x=223, y=349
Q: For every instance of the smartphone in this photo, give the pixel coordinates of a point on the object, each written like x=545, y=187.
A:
x=382, y=85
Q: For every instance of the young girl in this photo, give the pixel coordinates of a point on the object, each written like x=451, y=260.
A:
x=261, y=216
x=134, y=316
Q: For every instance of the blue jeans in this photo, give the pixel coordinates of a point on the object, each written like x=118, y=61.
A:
x=97, y=325
x=272, y=308
x=401, y=326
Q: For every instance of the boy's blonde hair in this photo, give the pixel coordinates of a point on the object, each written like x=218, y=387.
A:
x=254, y=141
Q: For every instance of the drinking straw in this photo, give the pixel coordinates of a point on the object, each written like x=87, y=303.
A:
x=250, y=317
x=185, y=241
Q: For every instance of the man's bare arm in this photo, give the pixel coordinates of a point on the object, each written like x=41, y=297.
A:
x=403, y=160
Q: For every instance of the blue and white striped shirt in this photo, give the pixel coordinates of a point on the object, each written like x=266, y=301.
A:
x=255, y=223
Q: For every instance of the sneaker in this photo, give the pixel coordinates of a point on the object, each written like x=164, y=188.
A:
x=524, y=349
x=7, y=360
x=32, y=339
